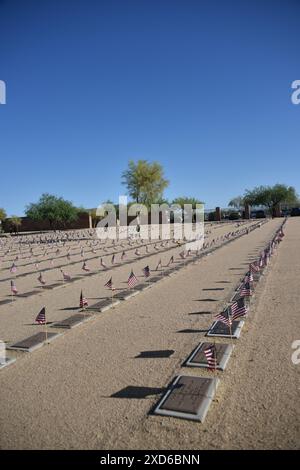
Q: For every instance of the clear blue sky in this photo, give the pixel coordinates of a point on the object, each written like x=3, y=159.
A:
x=203, y=86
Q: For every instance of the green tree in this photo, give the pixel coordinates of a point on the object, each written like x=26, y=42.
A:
x=237, y=202
x=56, y=210
x=2, y=217
x=271, y=196
x=15, y=222
x=182, y=200
x=2, y=214
x=145, y=181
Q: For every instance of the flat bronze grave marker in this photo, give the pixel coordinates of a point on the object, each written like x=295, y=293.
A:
x=33, y=342
x=220, y=329
x=103, y=305
x=188, y=398
x=198, y=358
x=72, y=321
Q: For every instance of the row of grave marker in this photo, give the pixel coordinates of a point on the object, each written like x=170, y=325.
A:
x=38, y=340
x=190, y=397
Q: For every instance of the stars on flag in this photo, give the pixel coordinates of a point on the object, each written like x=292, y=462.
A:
x=41, y=317
x=132, y=280
x=225, y=317
x=109, y=284
x=13, y=268
x=146, y=271
x=83, y=301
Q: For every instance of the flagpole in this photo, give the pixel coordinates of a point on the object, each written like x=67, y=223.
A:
x=215, y=368
x=230, y=330
x=112, y=297
x=46, y=332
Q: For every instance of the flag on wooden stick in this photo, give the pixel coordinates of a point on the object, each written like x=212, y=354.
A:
x=83, y=301
x=146, y=271
x=13, y=288
x=158, y=265
x=109, y=284
x=85, y=267
x=211, y=356
x=41, y=279
x=132, y=280
x=41, y=318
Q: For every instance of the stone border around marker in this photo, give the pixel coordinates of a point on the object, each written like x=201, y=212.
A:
x=16, y=347
x=7, y=362
x=235, y=334
x=74, y=320
x=204, y=400
x=222, y=362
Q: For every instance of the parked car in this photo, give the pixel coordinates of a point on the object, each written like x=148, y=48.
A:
x=259, y=214
x=295, y=211
x=234, y=216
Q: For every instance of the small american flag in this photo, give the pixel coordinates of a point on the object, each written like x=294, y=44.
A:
x=158, y=265
x=253, y=268
x=171, y=260
x=66, y=276
x=109, y=284
x=41, y=279
x=13, y=288
x=132, y=280
x=211, y=356
x=248, y=277
x=85, y=267
x=41, y=318
x=238, y=309
x=245, y=290
x=146, y=271
x=225, y=318
x=83, y=301
x=13, y=268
